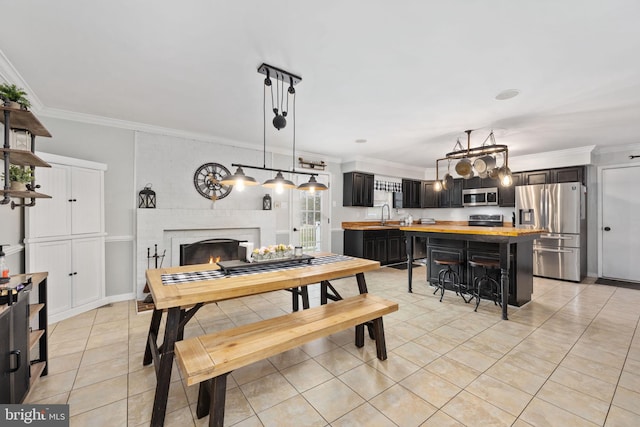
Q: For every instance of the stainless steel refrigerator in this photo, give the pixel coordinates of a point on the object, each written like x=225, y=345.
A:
x=561, y=253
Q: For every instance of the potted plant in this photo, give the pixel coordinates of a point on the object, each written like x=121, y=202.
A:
x=14, y=96
x=19, y=177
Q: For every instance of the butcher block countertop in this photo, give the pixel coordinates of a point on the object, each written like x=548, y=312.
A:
x=468, y=229
x=450, y=227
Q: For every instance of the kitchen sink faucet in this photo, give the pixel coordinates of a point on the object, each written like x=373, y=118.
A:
x=382, y=221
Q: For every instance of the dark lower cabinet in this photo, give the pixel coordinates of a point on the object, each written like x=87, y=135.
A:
x=385, y=246
x=443, y=249
x=520, y=269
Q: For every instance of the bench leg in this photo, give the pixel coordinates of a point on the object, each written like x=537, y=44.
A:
x=381, y=345
x=360, y=335
x=211, y=400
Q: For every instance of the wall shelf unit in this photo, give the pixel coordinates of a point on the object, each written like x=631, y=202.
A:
x=22, y=121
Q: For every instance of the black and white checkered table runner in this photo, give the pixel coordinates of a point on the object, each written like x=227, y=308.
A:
x=176, y=278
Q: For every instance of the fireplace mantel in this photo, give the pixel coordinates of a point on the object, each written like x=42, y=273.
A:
x=166, y=227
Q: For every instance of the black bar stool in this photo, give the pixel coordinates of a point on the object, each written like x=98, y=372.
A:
x=485, y=281
x=448, y=275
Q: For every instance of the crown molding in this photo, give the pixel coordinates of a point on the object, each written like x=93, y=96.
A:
x=57, y=113
x=553, y=159
x=616, y=148
x=9, y=74
x=384, y=163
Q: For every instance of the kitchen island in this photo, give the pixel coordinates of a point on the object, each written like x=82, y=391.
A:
x=503, y=236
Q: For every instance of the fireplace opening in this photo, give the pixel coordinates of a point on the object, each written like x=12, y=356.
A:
x=209, y=251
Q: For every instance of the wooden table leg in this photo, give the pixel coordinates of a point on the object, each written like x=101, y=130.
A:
x=362, y=284
x=156, y=317
x=164, y=371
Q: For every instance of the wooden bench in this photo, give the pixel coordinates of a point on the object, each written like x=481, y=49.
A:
x=210, y=358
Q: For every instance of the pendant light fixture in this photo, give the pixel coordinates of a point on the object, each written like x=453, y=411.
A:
x=480, y=161
x=239, y=180
x=280, y=108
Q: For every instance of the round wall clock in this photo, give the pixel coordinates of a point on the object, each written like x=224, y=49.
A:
x=206, y=180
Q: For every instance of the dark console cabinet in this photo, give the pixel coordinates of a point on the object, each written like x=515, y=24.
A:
x=20, y=364
x=14, y=349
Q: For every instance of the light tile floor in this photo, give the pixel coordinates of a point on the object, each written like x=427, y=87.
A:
x=571, y=357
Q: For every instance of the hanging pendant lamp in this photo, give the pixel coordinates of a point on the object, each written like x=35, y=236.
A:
x=312, y=185
x=279, y=183
x=239, y=180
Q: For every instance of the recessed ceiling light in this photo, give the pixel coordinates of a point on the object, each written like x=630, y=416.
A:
x=507, y=94
x=360, y=141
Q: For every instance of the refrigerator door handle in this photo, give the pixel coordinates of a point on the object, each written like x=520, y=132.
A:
x=555, y=251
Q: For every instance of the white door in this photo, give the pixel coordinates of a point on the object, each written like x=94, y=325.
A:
x=51, y=217
x=54, y=258
x=87, y=270
x=620, y=230
x=310, y=217
x=86, y=207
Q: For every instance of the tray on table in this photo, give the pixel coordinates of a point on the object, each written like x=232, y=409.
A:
x=228, y=266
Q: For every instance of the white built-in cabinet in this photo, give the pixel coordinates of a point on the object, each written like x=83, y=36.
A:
x=65, y=235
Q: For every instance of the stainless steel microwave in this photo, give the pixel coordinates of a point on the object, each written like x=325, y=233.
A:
x=480, y=197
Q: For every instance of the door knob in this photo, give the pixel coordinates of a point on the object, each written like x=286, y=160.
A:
x=607, y=229
x=295, y=229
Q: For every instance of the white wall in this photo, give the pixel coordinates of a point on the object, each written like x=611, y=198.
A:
x=114, y=147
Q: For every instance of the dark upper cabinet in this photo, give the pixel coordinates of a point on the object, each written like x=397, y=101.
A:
x=357, y=189
x=477, y=182
x=573, y=174
x=552, y=176
x=411, y=193
x=429, y=195
x=536, y=177
x=471, y=182
x=507, y=195
x=452, y=197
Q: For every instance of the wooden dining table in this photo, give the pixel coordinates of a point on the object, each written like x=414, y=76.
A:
x=183, y=299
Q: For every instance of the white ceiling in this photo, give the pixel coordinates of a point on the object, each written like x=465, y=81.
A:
x=407, y=76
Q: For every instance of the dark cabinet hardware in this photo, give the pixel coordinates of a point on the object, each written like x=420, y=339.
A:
x=607, y=229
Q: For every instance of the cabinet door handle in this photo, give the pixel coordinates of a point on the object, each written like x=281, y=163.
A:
x=71, y=200
x=18, y=360
x=75, y=272
x=70, y=274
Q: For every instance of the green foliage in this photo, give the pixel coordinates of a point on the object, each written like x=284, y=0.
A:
x=11, y=92
x=20, y=174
